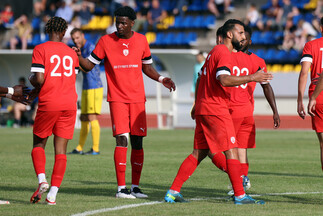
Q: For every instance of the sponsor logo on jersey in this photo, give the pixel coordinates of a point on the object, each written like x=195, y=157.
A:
x=143, y=129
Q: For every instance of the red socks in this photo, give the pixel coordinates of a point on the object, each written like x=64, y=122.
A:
x=137, y=160
x=220, y=161
x=39, y=159
x=120, y=163
x=234, y=172
x=59, y=170
x=185, y=171
x=245, y=168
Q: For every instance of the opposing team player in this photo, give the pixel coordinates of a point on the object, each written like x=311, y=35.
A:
x=92, y=95
x=214, y=128
x=126, y=54
x=312, y=57
x=54, y=68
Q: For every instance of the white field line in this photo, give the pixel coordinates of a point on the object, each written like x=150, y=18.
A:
x=116, y=208
x=193, y=199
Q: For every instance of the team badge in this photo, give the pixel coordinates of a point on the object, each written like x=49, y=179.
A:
x=233, y=139
x=125, y=52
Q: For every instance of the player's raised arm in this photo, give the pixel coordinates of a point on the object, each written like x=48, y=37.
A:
x=86, y=64
x=153, y=74
x=229, y=81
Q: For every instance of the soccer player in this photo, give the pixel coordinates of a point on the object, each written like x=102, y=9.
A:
x=92, y=95
x=214, y=128
x=312, y=58
x=126, y=54
x=54, y=68
x=241, y=105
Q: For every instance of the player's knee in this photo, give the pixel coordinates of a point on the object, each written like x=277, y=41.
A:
x=136, y=142
x=122, y=139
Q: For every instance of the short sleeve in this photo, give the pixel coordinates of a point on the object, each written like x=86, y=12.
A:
x=307, y=55
x=224, y=64
x=263, y=66
x=98, y=53
x=38, y=62
x=146, y=57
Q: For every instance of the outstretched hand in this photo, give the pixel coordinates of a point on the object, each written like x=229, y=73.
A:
x=20, y=90
x=77, y=50
x=20, y=99
x=261, y=76
x=168, y=83
x=32, y=95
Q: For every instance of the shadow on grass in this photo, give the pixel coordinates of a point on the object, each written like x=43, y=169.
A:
x=285, y=174
x=295, y=199
x=156, y=193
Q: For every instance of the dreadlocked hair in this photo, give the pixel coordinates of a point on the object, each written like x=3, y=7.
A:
x=55, y=24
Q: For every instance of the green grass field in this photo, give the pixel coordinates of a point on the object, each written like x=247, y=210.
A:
x=284, y=171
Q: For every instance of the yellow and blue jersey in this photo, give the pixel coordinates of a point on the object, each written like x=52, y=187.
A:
x=91, y=80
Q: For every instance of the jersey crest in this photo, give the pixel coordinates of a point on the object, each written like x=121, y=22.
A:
x=125, y=52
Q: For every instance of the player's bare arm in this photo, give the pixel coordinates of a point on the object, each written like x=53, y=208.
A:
x=36, y=80
x=230, y=81
x=302, y=80
x=318, y=89
x=17, y=90
x=153, y=74
x=270, y=96
x=196, y=89
x=16, y=93
x=85, y=64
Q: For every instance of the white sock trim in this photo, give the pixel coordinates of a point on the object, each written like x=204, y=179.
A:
x=121, y=187
x=173, y=191
x=241, y=196
x=51, y=196
x=41, y=178
x=133, y=186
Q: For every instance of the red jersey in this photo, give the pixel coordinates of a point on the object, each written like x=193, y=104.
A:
x=312, y=52
x=241, y=97
x=211, y=98
x=60, y=64
x=123, y=59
